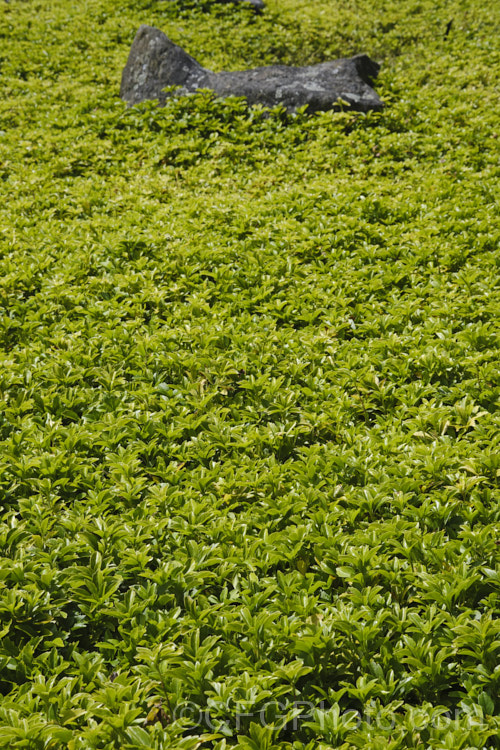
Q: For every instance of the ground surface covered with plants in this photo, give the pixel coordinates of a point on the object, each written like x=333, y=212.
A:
x=249, y=386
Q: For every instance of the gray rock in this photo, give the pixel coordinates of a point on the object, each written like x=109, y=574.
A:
x=155, y=63
x=257, y=4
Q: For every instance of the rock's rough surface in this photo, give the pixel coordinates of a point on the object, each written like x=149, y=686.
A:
x=257, y=4
x=155, y=63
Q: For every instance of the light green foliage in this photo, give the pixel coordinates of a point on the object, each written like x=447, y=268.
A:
x=249, y=386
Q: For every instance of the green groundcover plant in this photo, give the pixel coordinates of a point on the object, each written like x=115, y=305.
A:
x=249, y=386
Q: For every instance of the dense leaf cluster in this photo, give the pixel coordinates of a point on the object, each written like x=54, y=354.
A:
x=249, y=387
